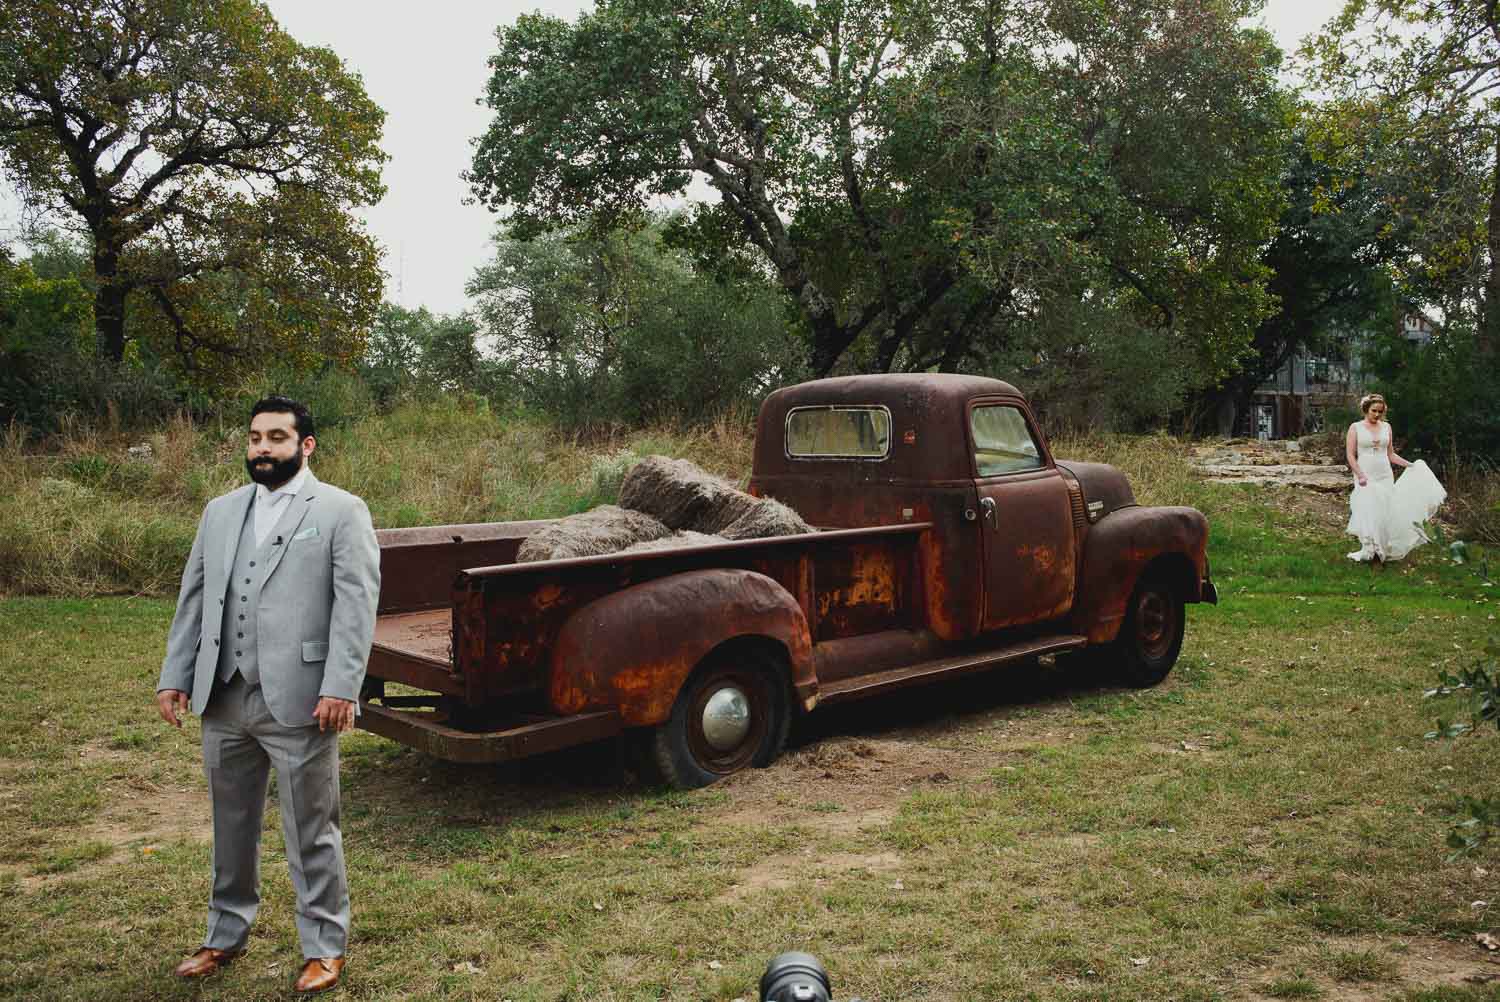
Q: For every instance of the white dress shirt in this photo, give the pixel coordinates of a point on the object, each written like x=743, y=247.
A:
x=271, y=505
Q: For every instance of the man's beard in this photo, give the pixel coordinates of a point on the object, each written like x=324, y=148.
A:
x=276, y=473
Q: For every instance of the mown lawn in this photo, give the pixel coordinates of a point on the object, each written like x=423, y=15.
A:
x=1268, y=823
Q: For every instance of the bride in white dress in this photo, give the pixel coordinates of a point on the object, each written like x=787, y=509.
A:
x=1386, y=514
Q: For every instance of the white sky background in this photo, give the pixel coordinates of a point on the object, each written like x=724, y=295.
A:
x=424, y=63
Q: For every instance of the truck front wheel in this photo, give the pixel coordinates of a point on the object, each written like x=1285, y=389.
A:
x=1151, y=636
x=732, y=713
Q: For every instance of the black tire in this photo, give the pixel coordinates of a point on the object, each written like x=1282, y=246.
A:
x=1151, y=637
x=745, y=687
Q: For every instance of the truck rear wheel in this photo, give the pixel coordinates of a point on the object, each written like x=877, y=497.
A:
x=732, y=713
x=1151, y=636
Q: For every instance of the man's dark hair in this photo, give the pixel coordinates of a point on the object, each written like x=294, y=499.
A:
x=277, y=404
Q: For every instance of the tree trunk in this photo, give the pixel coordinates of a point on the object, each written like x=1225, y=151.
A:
x=828, y=346
x=1489, y=320
x=109, y=306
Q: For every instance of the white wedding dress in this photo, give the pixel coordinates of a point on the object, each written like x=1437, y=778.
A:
x=1386, y=514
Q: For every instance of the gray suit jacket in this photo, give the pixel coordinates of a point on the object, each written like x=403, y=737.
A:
x=316, y=617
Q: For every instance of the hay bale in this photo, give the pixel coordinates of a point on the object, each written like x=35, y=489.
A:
x=681, y=494
x=685, y=537
x=768, y=517
x=725, y=510
x=685, y=497
x=605, y=529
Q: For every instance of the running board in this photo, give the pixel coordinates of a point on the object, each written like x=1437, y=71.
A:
x=937, y=670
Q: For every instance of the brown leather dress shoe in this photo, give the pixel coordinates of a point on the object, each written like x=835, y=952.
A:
x=319, y=975
x=207, y=961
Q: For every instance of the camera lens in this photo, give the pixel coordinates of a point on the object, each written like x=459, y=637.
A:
x=794, y=977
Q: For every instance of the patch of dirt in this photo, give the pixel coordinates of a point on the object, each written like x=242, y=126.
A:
x=1201, y=747
x=1410, y=963
x=803, y=870
x=136, y=815
x=140, y=813
x=844, y=785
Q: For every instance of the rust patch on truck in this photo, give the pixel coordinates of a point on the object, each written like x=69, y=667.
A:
x=1126, y=544
x=860, y=589
x=547, y=596
x=631, y=651
x=1043, y=558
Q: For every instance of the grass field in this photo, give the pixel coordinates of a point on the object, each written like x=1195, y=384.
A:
x=1267, y=823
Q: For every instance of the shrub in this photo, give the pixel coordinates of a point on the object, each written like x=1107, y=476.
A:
x=1474, y=500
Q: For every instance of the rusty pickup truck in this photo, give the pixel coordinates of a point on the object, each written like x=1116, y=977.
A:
x=951, y=541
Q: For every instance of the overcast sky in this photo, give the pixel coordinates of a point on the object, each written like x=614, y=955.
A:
x=424, y=63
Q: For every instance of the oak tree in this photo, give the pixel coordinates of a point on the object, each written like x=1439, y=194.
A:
x=1414, y=89
x=213, y=163
x=923, y=179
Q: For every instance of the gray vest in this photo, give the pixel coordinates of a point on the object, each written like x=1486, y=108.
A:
x=237, y=646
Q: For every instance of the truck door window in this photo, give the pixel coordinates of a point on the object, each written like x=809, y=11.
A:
x=838, y=433
x=1002, y=442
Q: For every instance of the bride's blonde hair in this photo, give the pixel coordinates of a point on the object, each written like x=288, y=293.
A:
x=1370, y=399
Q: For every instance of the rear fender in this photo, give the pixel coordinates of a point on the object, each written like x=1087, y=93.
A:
x=1127, y=543
x=632, y=651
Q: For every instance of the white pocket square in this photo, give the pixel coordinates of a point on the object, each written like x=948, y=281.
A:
x=310, y=532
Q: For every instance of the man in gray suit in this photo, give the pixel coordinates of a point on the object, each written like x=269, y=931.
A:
x=269, y=644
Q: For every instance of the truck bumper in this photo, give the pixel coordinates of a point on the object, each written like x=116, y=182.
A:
x=427, y=732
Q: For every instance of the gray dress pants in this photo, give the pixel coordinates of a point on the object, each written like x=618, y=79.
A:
x=241, y=741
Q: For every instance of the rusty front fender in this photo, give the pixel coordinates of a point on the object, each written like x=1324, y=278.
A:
x=631, y=651
x=1124, y=545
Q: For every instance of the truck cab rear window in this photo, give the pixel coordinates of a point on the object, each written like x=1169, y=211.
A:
x=1002, y=442
x=838, y=433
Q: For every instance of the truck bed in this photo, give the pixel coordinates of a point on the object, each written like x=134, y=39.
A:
x=458, y=616
x=421, y=636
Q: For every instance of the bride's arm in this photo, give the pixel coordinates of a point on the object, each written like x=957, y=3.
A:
x=1351, y=454
x=1390, y=451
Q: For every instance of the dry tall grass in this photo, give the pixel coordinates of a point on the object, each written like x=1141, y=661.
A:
x=1156, y=465
x=1474, y=490
x=87, y=517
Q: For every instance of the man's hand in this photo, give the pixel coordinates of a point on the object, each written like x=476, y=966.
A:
x=171, y=702
x=335, y=713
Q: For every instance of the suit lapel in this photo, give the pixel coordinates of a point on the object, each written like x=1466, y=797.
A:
x=236, y=512
x=290, y=521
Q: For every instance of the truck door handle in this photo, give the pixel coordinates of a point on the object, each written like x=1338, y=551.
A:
x=988, y=504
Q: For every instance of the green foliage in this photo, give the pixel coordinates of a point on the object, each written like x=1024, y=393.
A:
x=1409, y=84
x=48, y=369
x=1478, y=685
x=932, y=185
x=1330, y=267
x=1445, y=391
x=615, y=327
x=414, y=354
x=335, y=394
x=212, y=162
x=45, y=327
